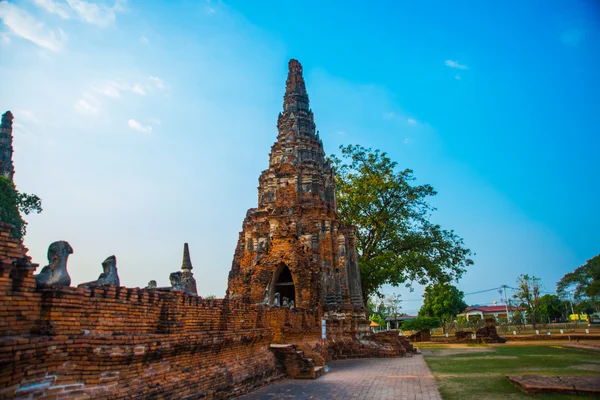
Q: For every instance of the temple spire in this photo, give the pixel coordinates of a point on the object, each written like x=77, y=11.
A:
x=295, y=97
x=187, y=262
x=6, y=146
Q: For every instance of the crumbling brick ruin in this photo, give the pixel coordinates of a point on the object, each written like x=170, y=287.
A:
x=295, y=264
x=294, y=243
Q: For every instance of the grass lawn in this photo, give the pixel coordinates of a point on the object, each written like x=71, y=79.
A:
x=479, y=371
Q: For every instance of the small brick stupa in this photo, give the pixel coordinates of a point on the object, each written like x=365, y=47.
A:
x=294, y=243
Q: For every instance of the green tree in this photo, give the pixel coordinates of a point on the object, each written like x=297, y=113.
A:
x=442, y=301
x=421, y=323
x=528, y=293
x=13, y=203
x=586, y=281
x=378, y=319
x=396, y=242
x=551, y=307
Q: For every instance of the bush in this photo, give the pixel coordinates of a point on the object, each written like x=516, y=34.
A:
x=421, y=323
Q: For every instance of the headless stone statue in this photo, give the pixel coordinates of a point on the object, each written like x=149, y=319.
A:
x=151, y=285
x=108, y=277
x=276, y=299
x=55, y=273
x=175, y=279
x=285, y=302
x=266, y=296
x=292, y=305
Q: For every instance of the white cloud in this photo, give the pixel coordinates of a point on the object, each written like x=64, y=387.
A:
x=133, y=124
x=144, y=40
x=455, y=64
x=54, y=7
x=407, y=141
x=114, y=89
x=96, y=14
x=138, y=89
x=159, y=83
x=27, y=116
x=155, y=121
x=4, y=38
x=389, y=115
x=24, y=25
x=412, y=121
x=209, y=8
x=572, y=37
x=87, y=106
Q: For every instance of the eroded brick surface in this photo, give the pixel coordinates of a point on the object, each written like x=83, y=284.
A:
x=296, y=226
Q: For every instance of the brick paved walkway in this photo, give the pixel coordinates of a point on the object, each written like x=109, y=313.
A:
x=388, y=378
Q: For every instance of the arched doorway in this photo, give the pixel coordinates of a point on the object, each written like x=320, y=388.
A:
x=283, y=283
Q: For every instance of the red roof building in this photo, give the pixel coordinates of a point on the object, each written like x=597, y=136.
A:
x=484, y=312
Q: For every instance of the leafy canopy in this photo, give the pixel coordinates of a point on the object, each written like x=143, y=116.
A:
x=586, y=280
x=13, y=203
x=396, y=242
x=442, y=301
x=418, y=324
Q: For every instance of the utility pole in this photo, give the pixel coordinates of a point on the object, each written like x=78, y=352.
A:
x=506, y=303
x=571, y=301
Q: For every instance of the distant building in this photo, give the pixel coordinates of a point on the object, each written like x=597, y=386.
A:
x=395, y=321
x=484, y=312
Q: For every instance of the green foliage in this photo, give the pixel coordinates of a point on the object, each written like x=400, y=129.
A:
x=442, y=301
x=586, y=280
x=210, y=297
x=379, y=319
x=551, y=307
x=396, y=241
x=13, y=203
x=421, y=323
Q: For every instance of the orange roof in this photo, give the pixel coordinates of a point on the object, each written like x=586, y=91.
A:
x=373, y=323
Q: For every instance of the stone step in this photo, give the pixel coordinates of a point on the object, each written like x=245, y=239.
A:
x=319, y=371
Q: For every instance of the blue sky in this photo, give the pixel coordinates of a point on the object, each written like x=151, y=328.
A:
x=145, y=124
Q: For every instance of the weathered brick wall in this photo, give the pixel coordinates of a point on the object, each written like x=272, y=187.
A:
x=117, y=342
x=122, y=343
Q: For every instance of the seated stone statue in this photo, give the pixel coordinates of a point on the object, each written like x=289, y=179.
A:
x=188, y=282
x=276, y=299
x=108, y=277
x=55, y=273
x=175, y=279
x=151, y=284
x=285, y=302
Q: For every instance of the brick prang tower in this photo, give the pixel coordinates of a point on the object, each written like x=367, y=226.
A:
x=294, y=243
x=6, y=148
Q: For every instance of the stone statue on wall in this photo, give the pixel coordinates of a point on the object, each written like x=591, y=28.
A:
x=285, y=302
x=151, y=284
x=187, y=277
x=55, y=273
x=175, y=279
x=276, y=299
x=292, y=305
x=108, y=277
x=266, y=296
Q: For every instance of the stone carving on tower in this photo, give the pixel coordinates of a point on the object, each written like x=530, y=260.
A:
x=294, y=245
